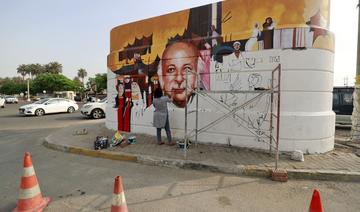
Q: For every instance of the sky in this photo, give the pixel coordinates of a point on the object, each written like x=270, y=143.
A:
x=76, y=33
x=344, y=23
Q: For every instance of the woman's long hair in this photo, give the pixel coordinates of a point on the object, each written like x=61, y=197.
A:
x=158, y=93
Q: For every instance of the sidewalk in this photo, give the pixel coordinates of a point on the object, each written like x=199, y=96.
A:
x=340, y=164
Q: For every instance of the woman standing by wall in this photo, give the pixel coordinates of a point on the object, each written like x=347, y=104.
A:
x=161, y=116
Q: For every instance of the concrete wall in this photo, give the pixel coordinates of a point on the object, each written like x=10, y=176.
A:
x=307, y=122
x=234, y=46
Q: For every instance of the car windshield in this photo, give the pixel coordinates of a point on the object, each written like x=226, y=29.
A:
x=103, y=100
x=41, y=101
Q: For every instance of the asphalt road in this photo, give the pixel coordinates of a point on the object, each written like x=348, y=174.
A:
x=80, y=183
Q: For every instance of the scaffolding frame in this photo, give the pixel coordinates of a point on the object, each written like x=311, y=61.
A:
x=274, y=128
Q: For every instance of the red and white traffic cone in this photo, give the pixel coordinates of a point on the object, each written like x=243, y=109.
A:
x=315, y=205
x=30, y=198
x=118, y=201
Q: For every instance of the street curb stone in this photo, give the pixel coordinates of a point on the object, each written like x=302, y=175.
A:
x=324, y=175
x=240, y=170
x=88, y=152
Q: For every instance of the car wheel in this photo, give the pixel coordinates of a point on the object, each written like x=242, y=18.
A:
x=97, y=113
x=39, y=112
x=71, y=110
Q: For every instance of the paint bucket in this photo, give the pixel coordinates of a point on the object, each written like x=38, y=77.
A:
x=181, y=144
x=132, y=139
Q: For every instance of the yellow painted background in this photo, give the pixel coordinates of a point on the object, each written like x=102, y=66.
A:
x=162, y=28
x=285, y=13
x=244, y=14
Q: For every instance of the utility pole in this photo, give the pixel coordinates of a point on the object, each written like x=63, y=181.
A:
x=355, y=128
x=28, y=91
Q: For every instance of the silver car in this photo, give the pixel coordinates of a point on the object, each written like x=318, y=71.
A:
x=11, y=99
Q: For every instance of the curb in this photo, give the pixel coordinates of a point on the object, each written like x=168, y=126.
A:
x=239, y=170
x=89, y=152
x=332, y=175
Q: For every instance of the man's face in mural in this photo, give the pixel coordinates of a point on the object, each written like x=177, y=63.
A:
x=237, y=45
x=177, y=60
x=127, y=79
x=268, y=20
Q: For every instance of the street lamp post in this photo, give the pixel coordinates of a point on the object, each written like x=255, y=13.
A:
x=28, y=90
x=355, y=128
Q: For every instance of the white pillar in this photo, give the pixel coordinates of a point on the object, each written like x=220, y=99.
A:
x=28, y=90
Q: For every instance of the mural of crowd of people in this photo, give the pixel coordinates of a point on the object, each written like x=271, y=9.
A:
x=204, y=56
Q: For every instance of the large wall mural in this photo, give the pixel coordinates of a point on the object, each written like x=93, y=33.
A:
x=225, y=44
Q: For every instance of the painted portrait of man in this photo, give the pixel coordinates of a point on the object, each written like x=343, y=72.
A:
x=179, y=59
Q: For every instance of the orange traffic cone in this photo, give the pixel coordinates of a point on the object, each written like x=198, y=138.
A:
x=30, y=198
x=118, y=200
x=315, y=205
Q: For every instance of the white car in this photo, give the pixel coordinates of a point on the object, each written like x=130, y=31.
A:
x=50, y=105
x=94, y=110
x=11, y=99
x=2, y=102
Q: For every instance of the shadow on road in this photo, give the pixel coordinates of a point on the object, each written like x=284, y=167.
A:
x=13, y=116
x=46, y=115
x=72, y=118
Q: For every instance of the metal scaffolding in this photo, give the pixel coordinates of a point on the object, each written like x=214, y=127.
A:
x=273, y=91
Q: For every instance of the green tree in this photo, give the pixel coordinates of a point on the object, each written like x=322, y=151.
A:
x=2, y=80
x=101, y=82
x=53, y=82
x=98, y=83
x=79, y=85
x=77, y=81
x=18, y=80
x=35, y=69
x=12, y=86
x=91, y=83
x=82, y=74
x=30, y=69
x=23, y=70
x=53, y=68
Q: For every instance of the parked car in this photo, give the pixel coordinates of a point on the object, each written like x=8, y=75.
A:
x=92, y=99
x=94, y=110
x=343, y=104
x=49, y=105
x=2, y=102
x=11, y=99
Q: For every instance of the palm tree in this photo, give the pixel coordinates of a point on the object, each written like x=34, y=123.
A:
x=37, y=69
x=53, y=67
x=23, y=70
x=82, y=74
